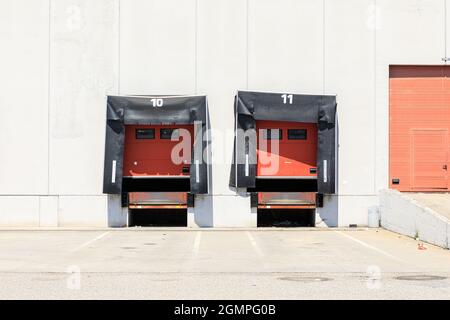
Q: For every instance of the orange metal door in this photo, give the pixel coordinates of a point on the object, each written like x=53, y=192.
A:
x=148, y=151
x=419, y=125
x=296, y=154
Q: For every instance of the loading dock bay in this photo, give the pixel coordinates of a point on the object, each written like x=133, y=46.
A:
x=221, y=264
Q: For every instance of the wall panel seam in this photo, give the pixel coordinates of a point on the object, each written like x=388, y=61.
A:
x=323, y=47
x=375, y=125
x=445, y=31
x=196, y=48
x=247, y=43
x=49, y=92
x=118, y=47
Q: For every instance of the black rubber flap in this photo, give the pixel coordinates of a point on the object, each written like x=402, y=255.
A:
x=252, y=106
x=147, y=110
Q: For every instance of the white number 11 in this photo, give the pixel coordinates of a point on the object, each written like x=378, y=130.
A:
x=287, y=97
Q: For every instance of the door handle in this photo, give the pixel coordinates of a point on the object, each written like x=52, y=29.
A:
x=444, y=167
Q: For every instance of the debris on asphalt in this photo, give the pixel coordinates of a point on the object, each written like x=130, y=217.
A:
x=420, y=246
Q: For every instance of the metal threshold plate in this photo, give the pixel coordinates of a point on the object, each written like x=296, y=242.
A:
x=156, y=202
x=158, y=177
x=157, y=198
x=288, y=201
x=286, y=177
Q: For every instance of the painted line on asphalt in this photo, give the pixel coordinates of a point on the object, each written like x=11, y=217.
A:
x=89, y=242
x=254, y=244
x=198, y=238
x=364, y=244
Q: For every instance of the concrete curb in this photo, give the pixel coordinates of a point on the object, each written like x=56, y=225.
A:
x=146, y=229
x=404, y=215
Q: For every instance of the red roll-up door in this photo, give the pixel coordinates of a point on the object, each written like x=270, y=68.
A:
x=419, y=126
x=151, y=150
x=295, y=154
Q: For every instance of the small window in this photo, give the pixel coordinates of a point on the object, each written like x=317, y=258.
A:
x=297, y=134
x=145, y=133
x=167, y=133
x=269, y=134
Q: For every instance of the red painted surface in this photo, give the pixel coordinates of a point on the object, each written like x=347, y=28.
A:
x=295, y=157
x=152, y=157
x=419, y=126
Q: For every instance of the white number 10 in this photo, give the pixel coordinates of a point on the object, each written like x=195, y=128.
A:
x=287, y=97
x=157, y=102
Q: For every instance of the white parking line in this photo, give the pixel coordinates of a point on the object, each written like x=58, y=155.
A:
x=89, y=242
x=198, y=238
x=370, y=247
x=254, y=244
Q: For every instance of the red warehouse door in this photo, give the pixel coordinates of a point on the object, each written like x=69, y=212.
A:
x=419, y=128
x=296, y=155
x=149, y=151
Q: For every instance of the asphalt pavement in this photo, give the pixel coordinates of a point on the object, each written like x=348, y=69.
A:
x=143, y=263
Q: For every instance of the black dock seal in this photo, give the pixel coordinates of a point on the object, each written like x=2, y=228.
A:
x=148, y=110
x=251, y=106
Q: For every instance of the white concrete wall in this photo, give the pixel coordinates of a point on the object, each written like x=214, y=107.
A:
x=60, y=58
x=285, y=46
x=157, y=47
x=24, y=65
x=59, y=61
x=83, y=70
x=402, y=214
x=349, y=73
x=48, y=211
x=222, y=58
x=82, y=211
